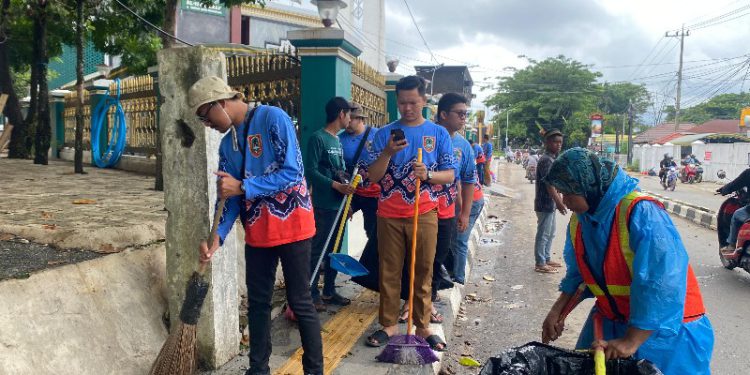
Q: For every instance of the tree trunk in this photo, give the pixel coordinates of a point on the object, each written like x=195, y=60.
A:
x=170, y=23
x=22, y=137
x=78, y=159
x=12, y=108
x=43, y=130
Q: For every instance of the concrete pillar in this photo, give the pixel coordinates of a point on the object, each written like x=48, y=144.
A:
x=57, y=123
x=390, y=95
x=189, y=158
x=327, y=55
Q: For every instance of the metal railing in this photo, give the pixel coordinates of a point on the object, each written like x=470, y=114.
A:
x=267, y=77
x=368, y=89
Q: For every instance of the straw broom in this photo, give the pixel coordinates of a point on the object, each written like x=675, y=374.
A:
x=410, y=349
x=177, y=356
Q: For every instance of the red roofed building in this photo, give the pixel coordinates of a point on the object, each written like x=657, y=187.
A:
x=718, y=126
x=658, y=132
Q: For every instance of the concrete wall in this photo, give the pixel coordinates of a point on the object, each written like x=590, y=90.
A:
x=196, y=27
x=733, y=158
x=98, y=317
x=131, y=163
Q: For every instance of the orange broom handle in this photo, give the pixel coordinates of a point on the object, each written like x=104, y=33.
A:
x=412, y=268
x=214, y=229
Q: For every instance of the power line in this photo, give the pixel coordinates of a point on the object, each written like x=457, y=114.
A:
x=145, y=21
x=413, y=20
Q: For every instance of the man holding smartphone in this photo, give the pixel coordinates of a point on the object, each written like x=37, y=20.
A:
x=394, y=165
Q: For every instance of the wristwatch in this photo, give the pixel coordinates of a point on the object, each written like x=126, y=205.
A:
x=429, y=176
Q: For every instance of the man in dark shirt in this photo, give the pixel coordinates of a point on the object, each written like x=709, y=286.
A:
x=545, y=202
x=325, y=169
x=739, y=216
x=664, y=164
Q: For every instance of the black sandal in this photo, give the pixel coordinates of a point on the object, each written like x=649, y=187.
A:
x=336, y=299
x=434, y=341
x=377, y=339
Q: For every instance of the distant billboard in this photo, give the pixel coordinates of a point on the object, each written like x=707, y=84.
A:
x=596, y=125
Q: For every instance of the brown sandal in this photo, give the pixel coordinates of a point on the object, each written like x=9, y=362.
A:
x=545, y=269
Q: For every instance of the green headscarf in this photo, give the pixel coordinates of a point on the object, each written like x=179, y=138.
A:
x=579, y=171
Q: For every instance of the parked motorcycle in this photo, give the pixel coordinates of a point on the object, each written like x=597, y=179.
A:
x=670, y=181
x=531, y=173
x=691, y=173
x=741, y=257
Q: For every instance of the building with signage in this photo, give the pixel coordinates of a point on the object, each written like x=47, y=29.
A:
x=267, y=27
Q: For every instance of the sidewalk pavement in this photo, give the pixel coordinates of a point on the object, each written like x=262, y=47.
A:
x=110, y=211
x=104, y=210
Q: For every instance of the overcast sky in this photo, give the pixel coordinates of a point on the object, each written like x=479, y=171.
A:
x=615, y=36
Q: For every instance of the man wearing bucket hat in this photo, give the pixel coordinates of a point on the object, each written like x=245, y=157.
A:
x=262, y=177
x=366, y=196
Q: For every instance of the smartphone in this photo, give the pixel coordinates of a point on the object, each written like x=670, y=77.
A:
x=398, y=134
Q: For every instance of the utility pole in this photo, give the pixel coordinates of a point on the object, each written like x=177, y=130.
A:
x=630, y=132
x=507, y=125
x=681, y=35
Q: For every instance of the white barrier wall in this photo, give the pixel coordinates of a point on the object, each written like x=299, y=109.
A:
x=733, y=158
x=649, y=156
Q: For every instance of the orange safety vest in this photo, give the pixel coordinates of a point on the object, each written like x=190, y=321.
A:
x=618, y=266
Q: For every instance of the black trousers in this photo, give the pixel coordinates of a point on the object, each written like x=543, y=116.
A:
x=447, y=232
x=260, y=277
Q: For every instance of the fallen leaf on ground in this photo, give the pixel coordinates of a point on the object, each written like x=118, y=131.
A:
x=488, y=278
x=49, y=226
x=46, y=215
x=84, y=201
x=107, y=247
x=469, y=362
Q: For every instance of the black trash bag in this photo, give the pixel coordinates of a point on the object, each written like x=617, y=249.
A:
x=536, y=358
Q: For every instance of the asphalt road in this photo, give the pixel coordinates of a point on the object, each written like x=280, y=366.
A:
x=509, y=311
x=699, y=194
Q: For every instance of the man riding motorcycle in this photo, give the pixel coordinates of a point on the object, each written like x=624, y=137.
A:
x=691, y=159
x=739, y=216
x=664, y=165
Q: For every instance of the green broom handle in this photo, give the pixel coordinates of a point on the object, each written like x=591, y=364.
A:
x=214, y=228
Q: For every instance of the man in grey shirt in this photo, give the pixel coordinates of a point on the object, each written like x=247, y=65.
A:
x=545, y=202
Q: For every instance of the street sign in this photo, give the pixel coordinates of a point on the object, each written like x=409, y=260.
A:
x=596, y=125
x=745, y=117
x=194, y=5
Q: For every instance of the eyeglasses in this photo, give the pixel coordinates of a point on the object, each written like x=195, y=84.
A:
x=461, y=114
x=204, y=117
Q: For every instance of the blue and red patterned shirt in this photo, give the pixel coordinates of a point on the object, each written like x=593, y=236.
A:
x=398, y=185
x=350, y=143
x=465, y=173
x=276, y=208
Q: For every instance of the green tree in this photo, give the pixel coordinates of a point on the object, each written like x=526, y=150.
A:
x=546, y=93
x=724, y=106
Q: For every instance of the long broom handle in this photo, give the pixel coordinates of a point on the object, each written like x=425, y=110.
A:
x=600, y=366
x=330, y=235
x=342, y=224
x=214, y=228
x=412, y=267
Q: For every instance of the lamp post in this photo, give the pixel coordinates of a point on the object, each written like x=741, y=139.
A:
x=507, y=125
x=328, y=10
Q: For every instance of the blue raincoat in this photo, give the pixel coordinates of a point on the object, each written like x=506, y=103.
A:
x=657, y=293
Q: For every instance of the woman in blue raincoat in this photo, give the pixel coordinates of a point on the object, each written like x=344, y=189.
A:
x=624, y=247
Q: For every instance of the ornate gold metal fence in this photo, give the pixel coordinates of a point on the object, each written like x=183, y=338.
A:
x=138, y=101
x=69, y=119
x=368, y=89
x=271, y=78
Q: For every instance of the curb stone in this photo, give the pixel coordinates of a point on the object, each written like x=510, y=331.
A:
x=697, y=214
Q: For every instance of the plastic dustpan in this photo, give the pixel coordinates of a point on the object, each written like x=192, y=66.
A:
x=347, y=265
